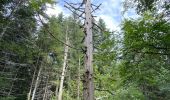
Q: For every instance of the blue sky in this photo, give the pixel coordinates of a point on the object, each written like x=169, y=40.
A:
x=110, y=11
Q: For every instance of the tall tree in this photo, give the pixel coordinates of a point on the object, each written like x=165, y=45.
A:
x=146, y=55
x=66, y=48
x=18, y=52
x=88, y=75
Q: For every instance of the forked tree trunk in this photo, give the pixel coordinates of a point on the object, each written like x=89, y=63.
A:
x=88, y=92
x=33, y=79
x=36, y=83
x=64, y=67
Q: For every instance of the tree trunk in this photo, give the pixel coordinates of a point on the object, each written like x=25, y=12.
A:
x=64, y=67
x=33, y=79
x=88, y=92
x=29, y=94
x=78, y=82
x=68, y=86
x=46, y=87
x=57, y=86
x=36, y=83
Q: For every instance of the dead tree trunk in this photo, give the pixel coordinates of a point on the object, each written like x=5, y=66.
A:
x=57, y=87
x=88, y=92
x=33, y=79
x=78, y=82
x=32, y=82
x=64, y=67
x=46, y=88
x=36, y=83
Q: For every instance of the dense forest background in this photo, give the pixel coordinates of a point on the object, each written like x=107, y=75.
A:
x=132, y=64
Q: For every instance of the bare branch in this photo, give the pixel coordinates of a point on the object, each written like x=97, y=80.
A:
x=97, y=7
x=74, y=12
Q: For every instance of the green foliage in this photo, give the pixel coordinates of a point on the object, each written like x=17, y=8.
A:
x=104, y=62
x=142, y=73
x=39, y=4
x=8, y=98
x=141, y=6
x=129, y=93
x=145, y=55
x=18, y=49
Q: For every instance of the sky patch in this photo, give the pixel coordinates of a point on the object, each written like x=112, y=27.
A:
x=110, y=11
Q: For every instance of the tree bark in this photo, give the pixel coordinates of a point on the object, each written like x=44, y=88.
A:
x=46, y=87
x=64, y=67
x=78, y=82
x=33, y=79
x=57, y=87
x=88, y=92
x=29, y=94
x=36, y=83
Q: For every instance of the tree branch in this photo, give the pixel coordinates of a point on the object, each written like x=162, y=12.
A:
x=111, y=92
x=45, y=25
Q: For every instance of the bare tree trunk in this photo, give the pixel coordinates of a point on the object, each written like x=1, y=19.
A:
x=29, y=94
x=57, y=86
x=88, y=92
x=46, y=87
x=64, y=67
x=36, y=83
x=33, y=79
x=69, y=86
x=78, y=83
